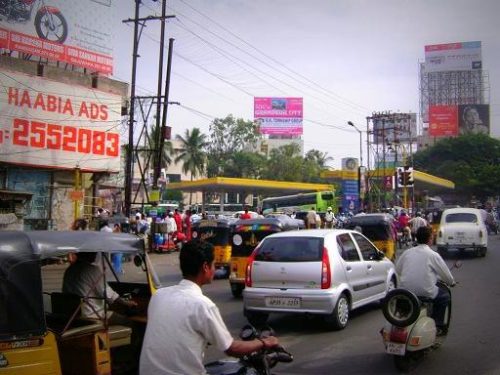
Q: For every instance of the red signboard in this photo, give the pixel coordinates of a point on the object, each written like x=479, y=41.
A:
x=443, y=120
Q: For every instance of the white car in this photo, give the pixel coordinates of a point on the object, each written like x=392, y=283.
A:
x=325, y=272
x=462, y=228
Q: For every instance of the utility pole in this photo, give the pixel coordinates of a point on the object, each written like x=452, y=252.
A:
x=131, y=149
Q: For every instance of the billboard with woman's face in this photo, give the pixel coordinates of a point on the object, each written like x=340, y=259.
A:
x=474, y=118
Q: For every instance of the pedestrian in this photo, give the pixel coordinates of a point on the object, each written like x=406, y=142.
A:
x=311, y=218
x=245, y=215
x=329, y=218
x=117, y=258
x=182, y=321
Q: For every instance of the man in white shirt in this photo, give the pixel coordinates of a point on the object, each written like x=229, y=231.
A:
x=417, y=222
x=419, y=268
x=311, y=218
x=329, y=218
x=182, y=321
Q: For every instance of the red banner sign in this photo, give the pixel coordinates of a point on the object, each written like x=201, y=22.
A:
x=443, y=120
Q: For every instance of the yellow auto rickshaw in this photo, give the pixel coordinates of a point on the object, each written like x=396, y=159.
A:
x=44, y=332
x=246, y=236
x=378, y=228
x=218, y=233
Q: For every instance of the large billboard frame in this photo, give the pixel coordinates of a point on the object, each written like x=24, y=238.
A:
x=279, y=115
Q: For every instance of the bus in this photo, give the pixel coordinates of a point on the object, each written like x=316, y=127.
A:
x=320, y=200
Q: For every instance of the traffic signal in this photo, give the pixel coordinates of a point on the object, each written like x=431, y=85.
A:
x=401, y=181
x=406, y=176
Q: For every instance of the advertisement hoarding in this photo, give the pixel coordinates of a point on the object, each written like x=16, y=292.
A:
x=51, y=124
x=279, y=116
x=453, y=56
x=394, y=127
x=77, y=32
x=473, y=118
x=443, y=120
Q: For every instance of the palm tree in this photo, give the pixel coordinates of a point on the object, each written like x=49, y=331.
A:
x=321, y=158
x=192, y=153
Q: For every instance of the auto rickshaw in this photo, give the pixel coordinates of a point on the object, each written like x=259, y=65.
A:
x=45, y=333
x=246, y=236
x=378, y=228
x=217, y=232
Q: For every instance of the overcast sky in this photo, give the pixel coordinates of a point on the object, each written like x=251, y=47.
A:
x=346, y=58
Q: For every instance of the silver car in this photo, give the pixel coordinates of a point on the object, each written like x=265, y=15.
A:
x=325, y=272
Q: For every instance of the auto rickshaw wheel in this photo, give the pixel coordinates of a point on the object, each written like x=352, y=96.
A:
x=237, y=289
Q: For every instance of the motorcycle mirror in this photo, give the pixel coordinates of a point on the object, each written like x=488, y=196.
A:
x=248, y=332
x=266, y=331
x=457, y=264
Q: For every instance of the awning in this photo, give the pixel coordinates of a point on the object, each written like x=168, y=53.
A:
x=227, y=184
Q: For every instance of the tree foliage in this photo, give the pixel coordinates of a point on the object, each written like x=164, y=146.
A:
x=471, y=161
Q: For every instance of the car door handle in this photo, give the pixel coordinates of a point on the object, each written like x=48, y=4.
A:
x=348, y=268
x=369, y=267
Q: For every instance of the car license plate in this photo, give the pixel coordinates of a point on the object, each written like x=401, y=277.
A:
x=290, y=302
x=395, y=348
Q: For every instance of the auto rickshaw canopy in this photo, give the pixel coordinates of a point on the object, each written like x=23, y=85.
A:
x=21, y=253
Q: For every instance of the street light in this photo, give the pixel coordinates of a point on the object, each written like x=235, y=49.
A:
x=360, y=162
x=360, y=142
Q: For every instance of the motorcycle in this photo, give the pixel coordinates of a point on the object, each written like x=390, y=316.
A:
x=410, y=331
x=258, y=363
x=49, y=22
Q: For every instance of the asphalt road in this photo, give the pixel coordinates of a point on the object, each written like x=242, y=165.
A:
x=472, y=345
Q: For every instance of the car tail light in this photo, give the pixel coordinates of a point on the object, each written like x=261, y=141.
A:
x=398, y=334
x=326, y=277
x=248, y=271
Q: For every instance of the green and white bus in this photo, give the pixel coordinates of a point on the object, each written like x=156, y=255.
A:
x=320, y=200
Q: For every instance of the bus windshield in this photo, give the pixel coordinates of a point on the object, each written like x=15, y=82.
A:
x=299, y=202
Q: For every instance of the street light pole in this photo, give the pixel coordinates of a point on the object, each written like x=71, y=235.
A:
x=360, y=162
x=360, y=142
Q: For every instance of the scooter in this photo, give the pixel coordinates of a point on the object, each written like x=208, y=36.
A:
x=258, y=363
x=410, y=331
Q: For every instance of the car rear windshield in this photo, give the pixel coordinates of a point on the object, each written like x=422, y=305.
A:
x=461, y=218
x=291, y=249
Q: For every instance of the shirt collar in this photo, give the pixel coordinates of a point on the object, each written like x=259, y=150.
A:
x=188, y=284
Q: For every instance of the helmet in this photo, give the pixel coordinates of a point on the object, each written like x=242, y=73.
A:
x=329, y=209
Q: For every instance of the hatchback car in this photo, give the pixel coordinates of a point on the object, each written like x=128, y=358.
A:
x=324, y=272
x=462, y=228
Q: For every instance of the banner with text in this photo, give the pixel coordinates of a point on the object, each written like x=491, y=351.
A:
x=453, y=57
x=77, y=32
x=443, y=120
x=279, y=116
x=51, y=124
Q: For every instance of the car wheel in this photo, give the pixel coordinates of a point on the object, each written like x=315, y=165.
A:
x=237, y=289
x=401, y=307
x=339, y=318
x=482, y=251
x=257, y=319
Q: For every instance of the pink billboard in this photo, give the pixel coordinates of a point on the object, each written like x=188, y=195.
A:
x=279, y=116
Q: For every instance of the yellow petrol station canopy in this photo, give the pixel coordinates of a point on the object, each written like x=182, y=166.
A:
x=228, y=184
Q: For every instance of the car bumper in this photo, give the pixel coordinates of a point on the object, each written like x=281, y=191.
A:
x=318, y=301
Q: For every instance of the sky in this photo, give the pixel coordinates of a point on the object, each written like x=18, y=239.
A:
x=346, y=58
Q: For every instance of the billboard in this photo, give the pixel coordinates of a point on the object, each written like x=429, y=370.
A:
x=473, y=118
x=394, y=127
x=51, y=124
x=77, y=32
x=453, y=56
x=279, y=116
x=443, y=120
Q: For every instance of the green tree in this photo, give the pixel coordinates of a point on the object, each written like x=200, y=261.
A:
x=192, y=153
x=285, y=164
x=227, y=137
x=471, y=161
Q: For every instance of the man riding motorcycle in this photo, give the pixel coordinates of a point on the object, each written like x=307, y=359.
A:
x=419, y=269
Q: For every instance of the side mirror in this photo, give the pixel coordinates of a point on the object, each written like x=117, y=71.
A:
x=138, y=261
x=457, y=264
